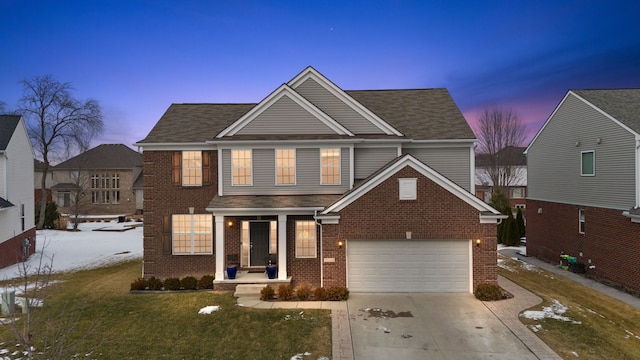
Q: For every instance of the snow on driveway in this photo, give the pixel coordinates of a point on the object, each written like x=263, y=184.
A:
x=84, y=249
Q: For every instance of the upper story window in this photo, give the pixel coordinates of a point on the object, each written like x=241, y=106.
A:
x=241, y=167
x=105, y=188
x=516, y=193
x=588, y=163
x=285, y=166
x=581, y=221
x=330, y=166
x=192, y=168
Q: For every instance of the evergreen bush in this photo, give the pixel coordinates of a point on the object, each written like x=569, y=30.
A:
x=337, y=293
x=189, y=283
x=303, y=291
x=488, y=292
x=205, y=282
x=139, y=284
x=172, y=284
x=320, y=294
x=154, y=284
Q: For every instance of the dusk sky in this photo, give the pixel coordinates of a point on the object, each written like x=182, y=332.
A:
x=136, y=57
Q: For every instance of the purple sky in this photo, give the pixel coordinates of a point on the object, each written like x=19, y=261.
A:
x=136, y=57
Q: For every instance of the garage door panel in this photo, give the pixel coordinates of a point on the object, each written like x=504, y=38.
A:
x=408, y=265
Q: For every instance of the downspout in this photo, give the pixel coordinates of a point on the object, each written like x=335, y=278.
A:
x=321, y=255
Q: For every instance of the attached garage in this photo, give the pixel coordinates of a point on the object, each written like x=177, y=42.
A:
x=408, y=265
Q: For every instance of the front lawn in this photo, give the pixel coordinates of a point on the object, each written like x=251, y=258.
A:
x=593, y=326
x=107, y=322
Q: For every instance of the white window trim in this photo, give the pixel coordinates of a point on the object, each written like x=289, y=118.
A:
x=407, y=189
x=581, y=221
x=183, y=168
x=339, y=166
x=250, y=166
x=582, y=165
x=192, y=236
x=315, y=237
x=295, y=167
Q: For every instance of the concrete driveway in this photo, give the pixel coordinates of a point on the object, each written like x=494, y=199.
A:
x=429, y=326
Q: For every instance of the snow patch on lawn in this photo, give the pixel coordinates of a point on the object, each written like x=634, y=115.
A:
x=554, y=311
x=209, y=309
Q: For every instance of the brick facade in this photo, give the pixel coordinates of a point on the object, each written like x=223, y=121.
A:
x=11, y=251
x=162, y=198
x=610, y=243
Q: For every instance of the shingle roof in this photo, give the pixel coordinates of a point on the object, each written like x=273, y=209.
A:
x=421, y=114
x=138, y=184
x=622, y=104
x=8, y=125
x=38, y=165
x=105, y=156
x=271, y=201
x=4, y=204
x=514, y=155
x=65, y=186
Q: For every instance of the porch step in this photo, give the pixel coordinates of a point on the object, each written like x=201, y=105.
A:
x=248, y=289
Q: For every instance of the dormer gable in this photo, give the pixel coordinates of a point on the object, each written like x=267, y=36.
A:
x=339, y=105
x=284, y=111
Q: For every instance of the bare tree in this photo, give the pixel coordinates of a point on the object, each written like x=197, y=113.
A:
x=58, y=123
x=500, y=132
x=3, y=107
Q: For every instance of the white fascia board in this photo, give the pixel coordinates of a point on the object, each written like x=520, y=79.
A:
x=270, y=144
x=440, y=143
x=283, y=90
x=176, y=146
x=472, y=169
x=492, y=219
x=311, y=73
x=328, y=219
x=547, y=121
x=382, y=143
x=263, y=211
x=425, y=170
x=637, y=171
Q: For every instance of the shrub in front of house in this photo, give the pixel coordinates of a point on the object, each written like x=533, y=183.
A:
x=189, y=283
x=205, y=282
x=488, y=292
x=285, y=292
x=303, y=291
x=154, y=284
x=139, y=284
x=320, y=294
x=337, y=293
x=267, y=293
x=172, y=284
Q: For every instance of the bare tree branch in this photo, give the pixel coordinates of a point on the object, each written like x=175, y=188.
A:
x=58, y=124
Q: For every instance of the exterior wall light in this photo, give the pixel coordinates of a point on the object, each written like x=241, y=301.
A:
x=340, y=243
x=478, y=241
x=230, y=223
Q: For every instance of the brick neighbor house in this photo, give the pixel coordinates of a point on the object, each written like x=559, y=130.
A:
x=369, y=189
x=584, y=185
x=17, y=212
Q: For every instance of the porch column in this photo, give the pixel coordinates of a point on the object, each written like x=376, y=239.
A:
x=282, y=247
x=219, y=249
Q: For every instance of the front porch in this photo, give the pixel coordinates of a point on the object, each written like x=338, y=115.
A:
x=245, y=277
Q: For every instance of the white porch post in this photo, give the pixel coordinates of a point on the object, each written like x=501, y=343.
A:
x=282, y=247
x=219, y=249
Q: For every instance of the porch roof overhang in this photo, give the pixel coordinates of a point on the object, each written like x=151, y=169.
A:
x=270, y=204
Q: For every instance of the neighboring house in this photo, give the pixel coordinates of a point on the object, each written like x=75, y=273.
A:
x=101, y=178
x=372, y=190
x=584, y=185
x=17, y=223
x=515, y=172
x=38, y=167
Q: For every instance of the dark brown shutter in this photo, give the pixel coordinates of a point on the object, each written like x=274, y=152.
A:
x=176, y=168
x=166, y=235
x=206, y=168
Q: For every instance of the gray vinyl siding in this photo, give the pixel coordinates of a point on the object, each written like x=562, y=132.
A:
x=369, y=160
x=337, y=109
x=554, y=159
x=452, y=162
x=307, y=174
x=285, y=117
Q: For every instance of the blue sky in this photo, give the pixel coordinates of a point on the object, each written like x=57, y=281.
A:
x=136, y=57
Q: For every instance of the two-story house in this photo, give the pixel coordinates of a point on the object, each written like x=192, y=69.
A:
x=17, y=216
x=100, y=180
x=584, y=185
x=513, y=174
x=369, y=189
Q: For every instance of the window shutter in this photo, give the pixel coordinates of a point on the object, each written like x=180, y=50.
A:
x=177, y=168
x=166, y=235
x=206, y=168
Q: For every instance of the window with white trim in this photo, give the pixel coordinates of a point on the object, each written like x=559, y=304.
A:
x=64, y=199
x=285, y=166
x=192, y=168
x=408, y=189
x=105, y=188
x=581, y=221
x=588, y=163
x=305, y=239
x=330, y=166
x=22, y=216
x=516, y=193
x=192, y=234
x=241, y=168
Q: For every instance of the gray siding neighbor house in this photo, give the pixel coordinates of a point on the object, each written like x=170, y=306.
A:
x=369, y=189
x=584, y=184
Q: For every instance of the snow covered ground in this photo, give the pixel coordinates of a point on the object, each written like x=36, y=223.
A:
x=84, y=249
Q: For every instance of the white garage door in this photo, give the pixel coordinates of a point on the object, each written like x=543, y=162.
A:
x=408, y=265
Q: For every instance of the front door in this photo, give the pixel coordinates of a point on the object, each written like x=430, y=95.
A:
x=259, y=243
